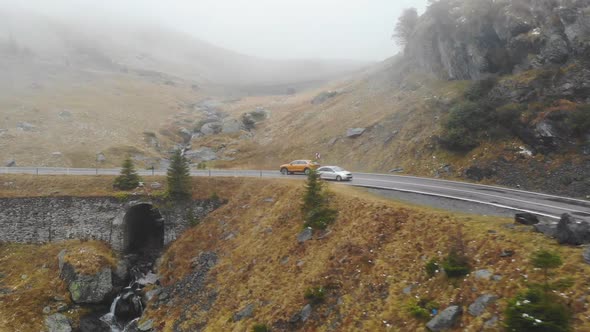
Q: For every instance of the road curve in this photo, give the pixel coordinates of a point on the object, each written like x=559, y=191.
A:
x=545, y=205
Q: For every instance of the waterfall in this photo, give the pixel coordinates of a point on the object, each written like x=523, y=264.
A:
x=114, y=305
x=128, y=305
x=110, y=319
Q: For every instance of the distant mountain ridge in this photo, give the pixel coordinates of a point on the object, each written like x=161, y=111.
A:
x=113, y=44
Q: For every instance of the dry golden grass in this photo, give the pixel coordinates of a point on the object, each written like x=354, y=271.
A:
x=30, y=275
x=375, y=249
x=106, y=113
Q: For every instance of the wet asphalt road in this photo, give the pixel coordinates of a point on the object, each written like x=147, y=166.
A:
x=453, y=195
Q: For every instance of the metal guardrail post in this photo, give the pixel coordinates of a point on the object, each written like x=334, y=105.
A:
x=260, y=173
x=37, y=170
x=209, y=172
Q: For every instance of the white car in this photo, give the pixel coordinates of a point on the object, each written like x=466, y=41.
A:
x=334, y=173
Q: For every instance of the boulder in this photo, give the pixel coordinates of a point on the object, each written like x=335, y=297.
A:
x=483, y=274
x=156, y=185
x=259, y=114
x=10, y=163
x=65, y=114
x=305, y=235
x=246, y=312
x=491, y=323
x=546, y=134
x=446, y=319
x=146, y=325
x=231, y=126
x=85, y=288
x=355, y=132
x=211, y=128
x=186, y=134
x=526, y=218
x=25, y=126
x=305, y=312
x=556, y=50
x=149, y=279
x=57, y=323
x=100, y=157
x=129, y=306
x=202, y=154
x=479, y=306
x=572, y=231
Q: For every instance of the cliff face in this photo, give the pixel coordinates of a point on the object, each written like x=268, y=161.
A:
x=460, y=40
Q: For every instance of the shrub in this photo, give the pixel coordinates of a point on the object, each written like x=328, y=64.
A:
x=418, y=312
x=465, y=124
x=121, y=196
x=546, y=260
x=129, y=179
x=422, y=308
x=431, y=268
x=536, y=310
x=191, y=218
x=214, y=197
x=579, y=120
x=456, y=265
x=315, y=295
x=260, y=328
x=509, y=115
x=480, y=89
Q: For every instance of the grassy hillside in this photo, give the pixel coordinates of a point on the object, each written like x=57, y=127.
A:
x=364, y=261
x=375, y=250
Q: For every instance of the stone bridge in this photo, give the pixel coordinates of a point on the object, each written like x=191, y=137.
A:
x=127, y=226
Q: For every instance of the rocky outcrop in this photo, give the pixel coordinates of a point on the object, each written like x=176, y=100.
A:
x=211, y=128
x=202, y=154
x=88, y=289
x=251, y=119
x=323, y=97
x=467, y=39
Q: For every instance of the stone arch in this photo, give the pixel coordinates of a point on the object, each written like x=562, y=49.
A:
x=143, y=230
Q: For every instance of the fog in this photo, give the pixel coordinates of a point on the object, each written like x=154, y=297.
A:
x=276, y=29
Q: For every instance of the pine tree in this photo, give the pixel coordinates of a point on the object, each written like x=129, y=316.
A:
x=315, y=208
x=129, y=179
x=179, y=185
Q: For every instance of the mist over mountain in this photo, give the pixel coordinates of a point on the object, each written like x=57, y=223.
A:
x=117, y=45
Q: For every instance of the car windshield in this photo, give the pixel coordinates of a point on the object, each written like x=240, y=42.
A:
x=338, y=169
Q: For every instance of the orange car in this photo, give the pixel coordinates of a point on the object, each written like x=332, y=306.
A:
x=299, y=166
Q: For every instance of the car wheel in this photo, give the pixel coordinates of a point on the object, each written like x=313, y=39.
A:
x=338, y=178
x=284, y=171
x=306, y=171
